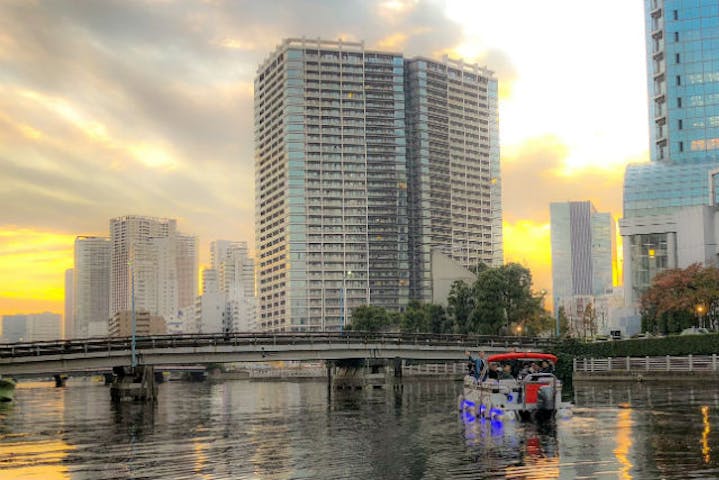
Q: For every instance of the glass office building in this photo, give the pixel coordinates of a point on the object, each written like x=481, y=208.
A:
x=682, y=40
x=331, y=177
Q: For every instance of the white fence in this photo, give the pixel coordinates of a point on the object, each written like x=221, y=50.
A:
x=667, y=363
x=435, y=369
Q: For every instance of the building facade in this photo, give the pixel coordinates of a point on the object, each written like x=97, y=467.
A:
x=333, y=220
x=683, y=84
x=34, y=327
x=69, y=317
x=583, y=252
x=453, y=160
x=120, y=324
x=91, y=287
x=161, y=261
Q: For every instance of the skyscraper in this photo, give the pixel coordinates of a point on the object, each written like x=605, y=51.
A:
x=453, y=159
x=69, y=318
x=683, y=84
x=236, y=280
x=583, y=251
x=332, y=188
x=162, y=261
x=91, y=287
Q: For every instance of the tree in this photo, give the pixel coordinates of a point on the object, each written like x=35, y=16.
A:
x=503, y=297
x=415, y=318
x=679, y=298
x=460, y=304
x=370, y=318
x=589, y=321
x=563, y=321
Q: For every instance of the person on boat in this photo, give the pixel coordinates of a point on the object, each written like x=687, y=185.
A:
x=514, y=363
x=480, y=370
x=493, y=373
x=546, y=368
x=506, y=373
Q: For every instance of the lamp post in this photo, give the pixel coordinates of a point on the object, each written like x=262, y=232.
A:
x=134, y=325
x=700, y=314
x=343, y=300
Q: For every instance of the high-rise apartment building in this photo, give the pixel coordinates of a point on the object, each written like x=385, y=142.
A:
x=683, y=85
x=235, y=273
x=583, y=251
x=453, y=160
x=69, y=318
x=162, y=262
x=91, y=287
x=34, y=327
x=331, y=166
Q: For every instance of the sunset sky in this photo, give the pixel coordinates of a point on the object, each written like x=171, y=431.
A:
x=145, y=107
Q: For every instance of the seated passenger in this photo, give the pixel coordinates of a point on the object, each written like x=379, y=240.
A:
x=546, y=368
x=493, y=371
x=506, y=373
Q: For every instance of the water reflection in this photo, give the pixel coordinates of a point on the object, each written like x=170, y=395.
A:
x=277, y=431
x=624, y=443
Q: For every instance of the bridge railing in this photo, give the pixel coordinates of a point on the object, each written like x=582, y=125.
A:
x=259, y=339
x=667, y=363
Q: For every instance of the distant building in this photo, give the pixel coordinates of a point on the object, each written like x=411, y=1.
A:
x=91, y=287
x=583, y=258
x=211, y=315
x=145, y=324
x=446, y=271
x=14, y=328
x=162, y=262
x=69, y=317
x=35, y=327
x=210, y=281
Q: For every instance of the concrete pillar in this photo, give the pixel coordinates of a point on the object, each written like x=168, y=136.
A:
x=138, y=385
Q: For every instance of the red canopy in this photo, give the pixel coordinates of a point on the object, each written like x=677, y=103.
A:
x=528, y=356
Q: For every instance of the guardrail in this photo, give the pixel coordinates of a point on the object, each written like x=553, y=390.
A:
x=667, y=363
x=109, y=344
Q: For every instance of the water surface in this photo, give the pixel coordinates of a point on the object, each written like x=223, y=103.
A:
x=273, y=430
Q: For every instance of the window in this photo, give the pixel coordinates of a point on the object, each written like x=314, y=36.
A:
x=681, y=146
x=676, y=36
x=679, y=80
x=679, y=102
x=678, y=58
x=681, y=124
x=675, y=14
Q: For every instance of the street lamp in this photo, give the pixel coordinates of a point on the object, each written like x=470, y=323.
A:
x=700, y=313
x=519, y=330
x=343, y=301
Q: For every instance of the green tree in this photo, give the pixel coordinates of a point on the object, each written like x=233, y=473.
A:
x=504, y=297
x=460, y=304
x=415, y=318
x=370, y=318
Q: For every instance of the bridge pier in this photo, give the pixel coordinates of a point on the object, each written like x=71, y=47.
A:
x=60, y=380
x=138, y=385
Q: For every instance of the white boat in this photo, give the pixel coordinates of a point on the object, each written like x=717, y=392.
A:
x=534, y=395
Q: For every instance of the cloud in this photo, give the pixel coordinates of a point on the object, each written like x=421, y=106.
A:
x=112, y=108
x=528, y=243
x=539, y=165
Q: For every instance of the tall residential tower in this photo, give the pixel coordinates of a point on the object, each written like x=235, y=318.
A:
x=91, y=287
x=334, y=219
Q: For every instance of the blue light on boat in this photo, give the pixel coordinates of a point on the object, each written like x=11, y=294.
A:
x=495, y=412
x=510, y=397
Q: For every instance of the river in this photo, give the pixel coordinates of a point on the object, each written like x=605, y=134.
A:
x=281, y=430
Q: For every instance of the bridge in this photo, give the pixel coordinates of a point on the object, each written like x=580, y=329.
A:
x=66, y=356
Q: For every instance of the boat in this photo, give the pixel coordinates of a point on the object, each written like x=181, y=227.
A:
x=534, y=395
x=7, y=389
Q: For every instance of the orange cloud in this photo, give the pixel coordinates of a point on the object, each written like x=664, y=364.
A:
x=33, y=265
x=528, y=243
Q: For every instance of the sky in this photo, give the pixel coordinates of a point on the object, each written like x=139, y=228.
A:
x=145, y=107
